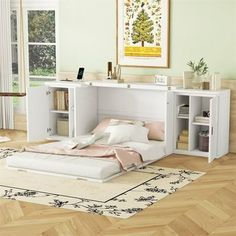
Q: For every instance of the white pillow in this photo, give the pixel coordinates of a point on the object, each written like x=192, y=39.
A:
x=125, y=133
x=115, y=122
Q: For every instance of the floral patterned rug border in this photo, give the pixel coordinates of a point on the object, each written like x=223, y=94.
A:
x=167, y=181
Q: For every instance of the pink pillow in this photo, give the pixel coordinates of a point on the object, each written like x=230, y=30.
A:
x=156, y=130
x=101, y=127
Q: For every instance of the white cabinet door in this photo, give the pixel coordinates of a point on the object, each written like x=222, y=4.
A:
x=85, y=110
x=37, y=113
x=213, y=129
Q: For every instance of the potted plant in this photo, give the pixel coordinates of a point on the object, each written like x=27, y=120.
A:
x=199, y=69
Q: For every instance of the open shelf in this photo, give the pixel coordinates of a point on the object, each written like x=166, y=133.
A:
x=183, y=117
x=60, y=112
x=203, y=124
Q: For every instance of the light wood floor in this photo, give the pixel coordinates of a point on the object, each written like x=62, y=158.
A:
x=205, y=207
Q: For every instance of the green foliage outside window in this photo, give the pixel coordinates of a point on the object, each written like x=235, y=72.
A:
x=41, y=29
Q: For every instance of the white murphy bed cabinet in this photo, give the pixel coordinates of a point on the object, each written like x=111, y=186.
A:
x=89, y=102
x=218, y=104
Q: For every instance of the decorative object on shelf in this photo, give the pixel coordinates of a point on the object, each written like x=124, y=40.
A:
x=206, y=85
x=109, y=70
x=206, y=113
x=187, y=79
x=199, y=70
x=163, y=80
x=183, y=111
x=182, y=142
x=204, y=141
x=216, y=81
x=138, y=47
x=202, y=119
x=114, y=77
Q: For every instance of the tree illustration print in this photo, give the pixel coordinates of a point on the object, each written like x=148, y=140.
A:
x=142, y=29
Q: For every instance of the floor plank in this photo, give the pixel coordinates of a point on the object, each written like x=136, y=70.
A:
x=205, y=207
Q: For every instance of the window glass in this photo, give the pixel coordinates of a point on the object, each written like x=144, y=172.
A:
x=13, y=26
x=41, y=44
x=14, y=51
x=41, y=26
x=42, y=60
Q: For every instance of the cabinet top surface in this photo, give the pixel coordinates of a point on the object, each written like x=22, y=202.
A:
x=107, y=84
x=201, y=92
x=146, y=86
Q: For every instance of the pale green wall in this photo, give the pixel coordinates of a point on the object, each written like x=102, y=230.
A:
x=199, y=28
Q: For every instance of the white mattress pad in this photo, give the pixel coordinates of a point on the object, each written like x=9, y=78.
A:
x=65, y=165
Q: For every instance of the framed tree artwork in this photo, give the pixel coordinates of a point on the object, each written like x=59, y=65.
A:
x=143, y=33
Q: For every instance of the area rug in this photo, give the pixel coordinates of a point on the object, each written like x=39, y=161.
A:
x=158, y=183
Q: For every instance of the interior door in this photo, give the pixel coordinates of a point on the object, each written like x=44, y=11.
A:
x=213, y=129
x=37, y=101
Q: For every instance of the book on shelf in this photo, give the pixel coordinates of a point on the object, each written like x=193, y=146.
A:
x=202, y=119
x=61, y=100
x=182, y=146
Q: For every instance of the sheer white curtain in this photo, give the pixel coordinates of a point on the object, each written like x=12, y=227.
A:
x=6, y=103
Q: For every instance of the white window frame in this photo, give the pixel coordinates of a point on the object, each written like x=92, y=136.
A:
x=33, y=5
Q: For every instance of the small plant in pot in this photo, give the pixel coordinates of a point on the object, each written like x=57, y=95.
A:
x=200, y=70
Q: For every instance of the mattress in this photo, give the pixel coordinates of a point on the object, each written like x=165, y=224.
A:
x=85, y=167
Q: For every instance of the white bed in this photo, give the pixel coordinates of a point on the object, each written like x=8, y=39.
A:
x=95, y=169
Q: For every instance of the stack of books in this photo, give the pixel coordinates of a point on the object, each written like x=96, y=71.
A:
x=182, y=142
x=61, y=101
x=202, y=119
x=183, y=110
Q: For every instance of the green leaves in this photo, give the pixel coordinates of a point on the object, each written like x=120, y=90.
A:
x=142, y=29
x=200, y=68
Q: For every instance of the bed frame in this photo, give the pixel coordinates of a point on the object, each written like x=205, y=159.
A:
x=126, y=101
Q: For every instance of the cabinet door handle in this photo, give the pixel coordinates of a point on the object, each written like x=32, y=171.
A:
x=212, y=130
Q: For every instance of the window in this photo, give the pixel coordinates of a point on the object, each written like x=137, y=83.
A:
x=40, y=43
x=14, y=46
x=15, y=59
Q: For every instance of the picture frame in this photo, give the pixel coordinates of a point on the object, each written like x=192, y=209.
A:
x=143, y=33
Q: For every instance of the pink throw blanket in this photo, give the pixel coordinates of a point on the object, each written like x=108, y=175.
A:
x=126, y=156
